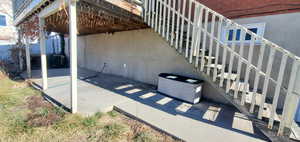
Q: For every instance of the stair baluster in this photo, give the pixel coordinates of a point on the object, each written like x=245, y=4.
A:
x=220, y=23
x=257, y=76
x=210, y=50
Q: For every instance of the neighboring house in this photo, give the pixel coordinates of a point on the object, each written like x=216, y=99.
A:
x=136, y=40
x=53, y=46
x=9, y=36
x=8, y=33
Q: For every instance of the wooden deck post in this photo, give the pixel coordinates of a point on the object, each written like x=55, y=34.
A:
x=43, y=53
x=73, y=57
x=28, y=63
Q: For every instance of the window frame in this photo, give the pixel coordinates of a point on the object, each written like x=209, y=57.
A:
x=260, y=31
x=5, y=16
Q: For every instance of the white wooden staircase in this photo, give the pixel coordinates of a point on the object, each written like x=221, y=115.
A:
x=245, y=79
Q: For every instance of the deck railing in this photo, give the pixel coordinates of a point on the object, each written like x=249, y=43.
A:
x=19, y=6
x=257, y=72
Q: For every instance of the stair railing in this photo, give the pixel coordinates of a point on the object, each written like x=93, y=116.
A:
x=192, y=29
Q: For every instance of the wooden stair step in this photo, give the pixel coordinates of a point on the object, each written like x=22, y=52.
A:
x=233, y=76
x=257, y=98
x=267, y=107
x=218, y=66
x=208, y=57
x=267, y=112
x=241, y=86
x=295, y=131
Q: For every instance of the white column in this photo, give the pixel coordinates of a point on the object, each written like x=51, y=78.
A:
x=28, y=63
x=73, y=56
x=43, y=53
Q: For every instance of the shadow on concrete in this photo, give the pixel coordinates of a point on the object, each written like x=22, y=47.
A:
x=138, y=91
x=208, y=112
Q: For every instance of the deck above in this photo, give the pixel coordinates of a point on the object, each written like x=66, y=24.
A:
x=93, y=16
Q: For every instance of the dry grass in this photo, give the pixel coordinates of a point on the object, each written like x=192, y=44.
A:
x=26, y=116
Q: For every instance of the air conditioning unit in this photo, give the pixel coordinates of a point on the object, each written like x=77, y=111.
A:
x=180, y=87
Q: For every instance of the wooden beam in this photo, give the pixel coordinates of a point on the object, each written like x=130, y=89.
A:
x=130, y=7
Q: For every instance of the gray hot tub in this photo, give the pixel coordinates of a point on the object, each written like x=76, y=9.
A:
x=180, y=87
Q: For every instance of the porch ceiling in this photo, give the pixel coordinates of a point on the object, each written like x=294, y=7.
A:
x=97, y=16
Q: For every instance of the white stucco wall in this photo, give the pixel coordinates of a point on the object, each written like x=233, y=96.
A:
x=140, y=55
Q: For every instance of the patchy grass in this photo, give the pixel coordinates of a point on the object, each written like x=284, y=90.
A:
x=113, y=132
x=113, y=113
x=144, y=137
x=26, y=116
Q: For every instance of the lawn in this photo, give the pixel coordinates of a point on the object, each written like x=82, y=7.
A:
x=27, y=117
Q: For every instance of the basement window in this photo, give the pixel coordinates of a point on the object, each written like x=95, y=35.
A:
x=3, y=20
x=229, y=34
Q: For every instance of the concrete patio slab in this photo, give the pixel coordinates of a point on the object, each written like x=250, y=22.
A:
x=206, y=121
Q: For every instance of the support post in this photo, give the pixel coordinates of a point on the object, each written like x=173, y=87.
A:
x=73, y=57
x=28, y=63
x=43, y=53
x=20, y=60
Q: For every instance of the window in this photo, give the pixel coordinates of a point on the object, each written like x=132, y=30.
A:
x=229, y=34
x=2, y=20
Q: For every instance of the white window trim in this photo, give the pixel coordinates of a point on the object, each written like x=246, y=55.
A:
x=5, y=15
x=260, y=31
